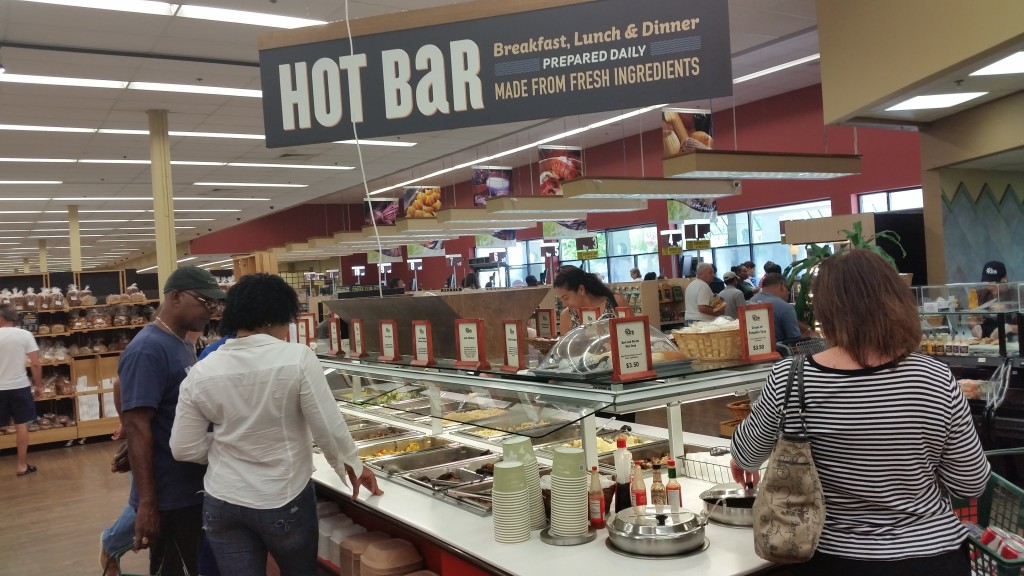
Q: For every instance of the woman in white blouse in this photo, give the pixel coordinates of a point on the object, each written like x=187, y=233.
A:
x=249, y=410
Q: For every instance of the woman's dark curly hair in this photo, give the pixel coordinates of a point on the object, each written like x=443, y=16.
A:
x=259, y=300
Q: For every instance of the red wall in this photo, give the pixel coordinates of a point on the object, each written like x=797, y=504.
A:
x=791, y=122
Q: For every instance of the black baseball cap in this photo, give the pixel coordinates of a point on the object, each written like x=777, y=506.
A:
x=993, y=271
x=194, y=278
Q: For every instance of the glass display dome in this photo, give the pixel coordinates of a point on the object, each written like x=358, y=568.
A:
x=587, y=349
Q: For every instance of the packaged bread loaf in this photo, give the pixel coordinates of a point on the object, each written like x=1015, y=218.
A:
x=74, y=296
x=5, y=296
x=43, y=330
x=18, y=299
x=113, y=299
x=135, y=295
x=45, y=300
x=58, y=328
x=59, y=302
x=85, y=295
x=31, y=300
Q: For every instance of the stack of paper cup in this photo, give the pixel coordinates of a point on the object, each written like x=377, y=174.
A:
x=568, y=493
x=520, y=449
x=510, y=503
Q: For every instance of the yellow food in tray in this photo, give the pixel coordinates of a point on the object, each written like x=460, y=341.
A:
x=473, y=415
x=604, y=445
x=412, y=447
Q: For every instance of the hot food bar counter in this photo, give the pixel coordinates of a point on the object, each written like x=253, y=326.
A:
x=434, y=435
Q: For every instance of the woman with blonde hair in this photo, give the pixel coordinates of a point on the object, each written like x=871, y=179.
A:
x=890, y=430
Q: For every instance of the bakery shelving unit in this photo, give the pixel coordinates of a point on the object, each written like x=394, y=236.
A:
x=96, y=368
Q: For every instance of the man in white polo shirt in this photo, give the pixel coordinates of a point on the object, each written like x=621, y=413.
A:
x=699, y=299
x=15, y=394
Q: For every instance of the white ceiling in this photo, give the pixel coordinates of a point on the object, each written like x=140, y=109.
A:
x=48, y=40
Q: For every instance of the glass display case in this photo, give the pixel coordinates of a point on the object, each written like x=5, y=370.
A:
x=971, y=319
x=440, y=430
x=585, y=352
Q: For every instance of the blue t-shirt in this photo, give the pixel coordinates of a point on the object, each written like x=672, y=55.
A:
x=151, y=370
x=786, y=326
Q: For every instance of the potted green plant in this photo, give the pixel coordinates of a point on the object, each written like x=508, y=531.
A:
x=800, y=273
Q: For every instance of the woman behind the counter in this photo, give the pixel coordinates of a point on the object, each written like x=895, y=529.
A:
x=264, y=397
x=577, y=289
x=890, y=430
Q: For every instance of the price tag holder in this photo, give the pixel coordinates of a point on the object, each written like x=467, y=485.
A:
x=631, y=349
x=623, y=312
x=589, y=314
x=515, y=344
x=307, y=328
x=469, y=337
x=422, y=343
x=757, y=332
x=335, y=336
x=357, y=339
x=388, y=341
x=293, y=333
x=545, y=323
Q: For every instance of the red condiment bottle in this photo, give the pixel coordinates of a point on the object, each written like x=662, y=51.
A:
x=595, y=500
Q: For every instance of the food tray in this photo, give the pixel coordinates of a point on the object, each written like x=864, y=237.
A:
x=642, y=454
x=520, y=421
x=608, y=436
x=409, y=445
x=376, y=433
x=396, y=465
x=480, y=507
x=416, y=407
x=464, y=473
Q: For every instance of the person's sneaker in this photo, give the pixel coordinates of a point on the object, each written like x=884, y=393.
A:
x=109, y=568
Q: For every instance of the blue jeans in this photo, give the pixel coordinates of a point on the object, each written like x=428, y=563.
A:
x=119, y=536
x=241, y=536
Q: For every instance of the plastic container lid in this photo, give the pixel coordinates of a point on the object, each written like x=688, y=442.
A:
x=620, y=441
x=390, y=556
x=587, y=350
x=354, y=546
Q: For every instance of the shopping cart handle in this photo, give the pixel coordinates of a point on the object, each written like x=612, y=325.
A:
x=1005, y=452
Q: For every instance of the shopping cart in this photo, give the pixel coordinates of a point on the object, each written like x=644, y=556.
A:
x=1001, y=506
x=806, y=345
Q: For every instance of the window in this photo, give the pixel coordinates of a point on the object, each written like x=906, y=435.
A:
x=765, y=223
x=891, y=201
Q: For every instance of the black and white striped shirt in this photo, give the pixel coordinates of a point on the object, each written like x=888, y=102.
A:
x=883, y=440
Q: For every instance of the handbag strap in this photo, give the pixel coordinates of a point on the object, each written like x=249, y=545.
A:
x=796, y=378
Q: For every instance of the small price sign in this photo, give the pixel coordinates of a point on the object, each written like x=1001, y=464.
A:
x=589, y=314
x=515, y=344
x=757, y=332
x=335, y=336
x=469, y=336
x=307, y=328
x=623, y=312
x=389, y=341
x=586, y=254
x=545, y=323
x=698, y=244
x=671, y=250
x=422, y=343
x=358, y=344
x=631, y=348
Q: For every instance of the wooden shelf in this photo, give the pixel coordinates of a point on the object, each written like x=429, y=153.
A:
x=100, y=427
x=42, y=437
x=54, y=398
x=70, y=308
x=87, y=330
x=94, y=392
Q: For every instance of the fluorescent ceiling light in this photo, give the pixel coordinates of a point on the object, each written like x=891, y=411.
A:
x=377, y=143
x=1012, y=64
x=773, y=69
x=137, y=6
x=192, y=89
x=221, y=199
x=195, y=163
x=26, y=199
x=28, y=128
x=736, y=165
x=146, y=269
x=122, y=161
x=215, y=263
x=249, y=185
x=99, y=198
x=187, y=259
x=127, y=240
x=21, y=212
x=61, y=81
x=243, y=17
x=216, y=135
x=306, y=166
x=206, y=210
x=19, y=182
x=686, y=110
x=932, y=101
x=65, y=236
x=39, y=160
x=518, y=149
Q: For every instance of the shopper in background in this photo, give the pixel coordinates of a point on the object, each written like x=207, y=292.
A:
x=166, y=494
x=745, y=272
x=890, y=429
x=634, y=273
x=651, y=276
x=531, y=280
x=769, y=268
x=577, y=289
x=994, y=272
x=716, y=283
x=265, y=398
x=732, y=295
x=16, y=399
x=396, y=282
x=471, y=282
x=699, y=300
x=774, y=292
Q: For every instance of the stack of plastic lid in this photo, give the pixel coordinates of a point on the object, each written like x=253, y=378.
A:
x=510, y=503
x=394, y=557
x=339, y=535
x=568, y=493
x=520, y=448
x=352, y=551
x=332, y=531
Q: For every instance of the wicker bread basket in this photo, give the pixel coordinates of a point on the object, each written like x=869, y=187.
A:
x=724, y=345
x=740, y=409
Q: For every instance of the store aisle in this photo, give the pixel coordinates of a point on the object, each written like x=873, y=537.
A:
x=53, y=518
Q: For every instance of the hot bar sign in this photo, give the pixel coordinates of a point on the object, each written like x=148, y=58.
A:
x=567, y=60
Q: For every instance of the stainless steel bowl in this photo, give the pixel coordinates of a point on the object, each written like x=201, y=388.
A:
x=656, y=531
x=730, y=504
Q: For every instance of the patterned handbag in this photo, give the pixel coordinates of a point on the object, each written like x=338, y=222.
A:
x=789, y=510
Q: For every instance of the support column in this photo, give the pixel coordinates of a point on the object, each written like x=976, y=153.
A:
x=74, y=240
x=25, y=269
x=43, y=269
x=163, y=195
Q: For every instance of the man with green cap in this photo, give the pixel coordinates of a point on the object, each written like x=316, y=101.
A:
x=166, y=494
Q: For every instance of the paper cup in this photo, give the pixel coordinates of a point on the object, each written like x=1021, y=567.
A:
x=509, y=476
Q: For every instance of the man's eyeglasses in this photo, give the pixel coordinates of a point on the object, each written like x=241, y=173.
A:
x=210, y=304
